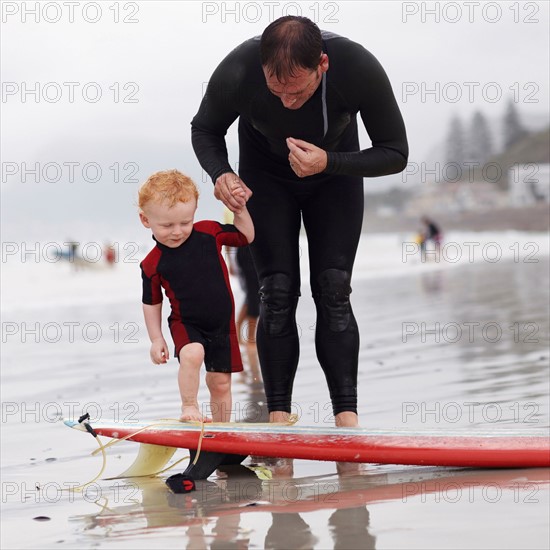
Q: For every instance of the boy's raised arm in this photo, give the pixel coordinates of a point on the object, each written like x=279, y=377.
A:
x=242, y=220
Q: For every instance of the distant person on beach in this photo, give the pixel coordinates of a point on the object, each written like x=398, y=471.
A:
x=72, y=255
x=73, y=250
x=430, y=232
x=187, y=262
x=110, y=254
x=300, y=159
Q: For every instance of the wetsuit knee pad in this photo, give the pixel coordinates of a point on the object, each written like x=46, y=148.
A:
x=333, y=298
x=277, y=302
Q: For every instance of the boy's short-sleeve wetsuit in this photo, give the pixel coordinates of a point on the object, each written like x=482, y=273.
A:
x=196, y=281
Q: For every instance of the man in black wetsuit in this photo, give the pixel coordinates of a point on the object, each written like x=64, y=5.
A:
x=296, y=92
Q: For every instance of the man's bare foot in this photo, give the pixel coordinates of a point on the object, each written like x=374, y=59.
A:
x=192, y=414
x=346, y=419
x=282, y=417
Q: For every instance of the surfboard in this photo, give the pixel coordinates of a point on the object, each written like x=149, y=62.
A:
x=478, y=449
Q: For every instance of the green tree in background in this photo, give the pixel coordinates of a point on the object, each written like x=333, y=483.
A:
x=456, y=143
x=513, y=129
x=480, y=143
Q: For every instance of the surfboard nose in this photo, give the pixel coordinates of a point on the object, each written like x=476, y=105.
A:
x=70, y=423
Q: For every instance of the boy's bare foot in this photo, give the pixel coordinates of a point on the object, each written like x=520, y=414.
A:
x=192, y=414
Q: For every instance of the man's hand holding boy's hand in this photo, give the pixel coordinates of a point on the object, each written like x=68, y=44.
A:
x=159, y=351
x=224, y=191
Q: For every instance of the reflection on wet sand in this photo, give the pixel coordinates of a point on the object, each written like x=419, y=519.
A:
x=220, y=514
x=439, y=372
x=433, y=282
x=212, y=516
x=350, y=529
x=289, y=531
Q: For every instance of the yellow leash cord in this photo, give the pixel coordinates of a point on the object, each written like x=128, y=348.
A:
x=292, y=419
x=80, y=488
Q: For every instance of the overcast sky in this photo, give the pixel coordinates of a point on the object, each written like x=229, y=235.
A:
x=150, y=61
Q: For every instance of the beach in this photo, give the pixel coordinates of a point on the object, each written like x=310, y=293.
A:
x=459, y=342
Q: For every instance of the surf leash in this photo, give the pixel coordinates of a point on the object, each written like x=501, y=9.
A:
x=199, y=444
x=185, y=482
x=154, y=424
x=84, y=420
x=180, y=483
x=163, y=422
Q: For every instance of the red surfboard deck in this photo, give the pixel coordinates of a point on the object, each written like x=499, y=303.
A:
x=495, y=449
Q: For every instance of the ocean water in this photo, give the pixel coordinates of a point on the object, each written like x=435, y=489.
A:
x=459, y=342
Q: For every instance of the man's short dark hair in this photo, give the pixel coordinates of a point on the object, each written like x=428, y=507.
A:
x=291, y=43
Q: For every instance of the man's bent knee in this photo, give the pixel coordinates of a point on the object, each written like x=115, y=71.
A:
x=333, y=298
x=278, y=302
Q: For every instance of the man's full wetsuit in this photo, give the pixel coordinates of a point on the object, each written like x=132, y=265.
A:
x=330, y=203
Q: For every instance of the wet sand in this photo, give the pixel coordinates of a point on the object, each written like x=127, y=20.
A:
x=463, y=348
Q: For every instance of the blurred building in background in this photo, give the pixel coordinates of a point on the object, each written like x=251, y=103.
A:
x=489, y=175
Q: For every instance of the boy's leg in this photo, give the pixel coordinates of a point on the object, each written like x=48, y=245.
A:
x=219, y=385
x=191, y=357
